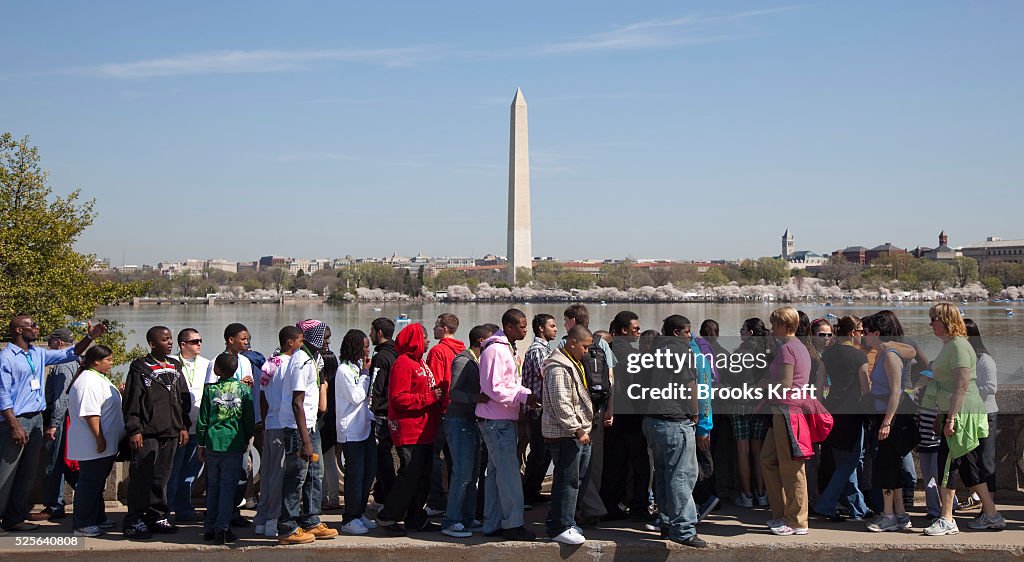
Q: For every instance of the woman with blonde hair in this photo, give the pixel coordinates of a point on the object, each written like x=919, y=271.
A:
x=962, y=421
x=782, y=457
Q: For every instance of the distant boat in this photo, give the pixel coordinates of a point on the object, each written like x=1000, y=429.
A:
x=831, y=316
x=849, y=302
x=376, y=309
x=1009, y=312
x=963, y=301
x=828, y=304
x=604, y=303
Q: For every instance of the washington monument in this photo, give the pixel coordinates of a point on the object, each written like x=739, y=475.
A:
x=520, y=247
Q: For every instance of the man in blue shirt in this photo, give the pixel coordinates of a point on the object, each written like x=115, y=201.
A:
x=22, y=402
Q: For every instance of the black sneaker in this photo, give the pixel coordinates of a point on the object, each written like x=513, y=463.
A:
x=55, y=514
x=707, y=507
x=692, y=542
x=494, y=534
x=240, y=521
x=615, y=514
x=225, y=537
x=518, y=534
x=209, y=535
x=137, y=531
x=395, y=530
x=163, y=527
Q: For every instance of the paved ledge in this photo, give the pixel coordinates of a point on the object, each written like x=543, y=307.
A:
x=733, y=534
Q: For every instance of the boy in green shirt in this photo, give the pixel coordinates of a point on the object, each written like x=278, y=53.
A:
x=225, y=425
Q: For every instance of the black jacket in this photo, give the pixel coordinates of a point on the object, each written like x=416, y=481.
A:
x=380, y=369
x=676, y=376
x=156, y=399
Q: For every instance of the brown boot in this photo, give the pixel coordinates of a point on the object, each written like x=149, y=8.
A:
x=322, y=531
x=298, y=536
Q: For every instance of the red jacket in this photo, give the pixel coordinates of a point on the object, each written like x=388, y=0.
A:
x=413, y=412
x=439, y=361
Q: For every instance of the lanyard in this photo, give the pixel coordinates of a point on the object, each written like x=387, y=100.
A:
x=190, y=371
x=31, y=364
x=579, y=366
x=475, y=356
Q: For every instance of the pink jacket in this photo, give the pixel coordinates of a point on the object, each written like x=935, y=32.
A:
x=500, y=380
x=807, y=423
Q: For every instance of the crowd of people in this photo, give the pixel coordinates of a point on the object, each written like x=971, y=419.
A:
x=476, y=426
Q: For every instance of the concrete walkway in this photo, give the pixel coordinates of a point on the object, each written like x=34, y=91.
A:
x=732, y=533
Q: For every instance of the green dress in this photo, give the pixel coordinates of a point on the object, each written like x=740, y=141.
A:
x=972, y=419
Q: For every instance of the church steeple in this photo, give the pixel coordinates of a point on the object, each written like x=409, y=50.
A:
x=788, y=245
x=943, y=239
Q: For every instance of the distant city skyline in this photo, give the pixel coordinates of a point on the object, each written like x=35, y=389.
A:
x=698, y=130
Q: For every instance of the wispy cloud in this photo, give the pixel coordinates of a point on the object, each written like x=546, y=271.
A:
x=256, y=61
x=653, y=34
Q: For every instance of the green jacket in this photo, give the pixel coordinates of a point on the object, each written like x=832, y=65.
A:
x=226, y=418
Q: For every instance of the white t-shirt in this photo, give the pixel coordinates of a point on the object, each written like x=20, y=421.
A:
x=196, y=372
x=244, y=370
x=300, y=376
x=353, y=417
x=93, y=395
x=272, y=391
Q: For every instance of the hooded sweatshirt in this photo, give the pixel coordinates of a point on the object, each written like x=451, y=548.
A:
x=500, y=380
x=156, y=399
x=413, y=413
x=384, y=357
x=439, y=360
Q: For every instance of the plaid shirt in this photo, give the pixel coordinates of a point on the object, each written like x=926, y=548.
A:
x=567, y=406
x=532, y=376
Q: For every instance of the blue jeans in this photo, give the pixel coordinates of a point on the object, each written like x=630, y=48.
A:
x=844, y=485
x=223, y=471
x=302, y=485
x=503, y=485
x=89, y=506
x=360, y=469
x=464, y=443
x=53, y=480
x=673, y=445
x=19, y=468
x=183, y=473
x=572, y=460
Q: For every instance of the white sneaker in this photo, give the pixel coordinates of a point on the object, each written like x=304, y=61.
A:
x=786, y=530
x=775, y=523
x=270, y=529
x=354, y=527
x=762, y=499
x=90, y=531
x=368, y=523
x=744, y=500
x=457, y=530
x=570, y=536
x=431, y=512
x=941, y=527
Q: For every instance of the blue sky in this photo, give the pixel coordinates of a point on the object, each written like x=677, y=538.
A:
x=657, y=129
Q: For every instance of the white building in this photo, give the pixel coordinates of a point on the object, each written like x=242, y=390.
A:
x=996, y=249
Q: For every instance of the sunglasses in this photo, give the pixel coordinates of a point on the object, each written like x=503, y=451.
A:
x=824, y=335
x=32, y=325
x=194, y=342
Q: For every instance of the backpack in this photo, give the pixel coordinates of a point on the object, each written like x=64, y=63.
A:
x=595, y=367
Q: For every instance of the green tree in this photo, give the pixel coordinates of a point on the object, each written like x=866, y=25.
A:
x=40, y=272
x=965, y=270
x=714, y=277
x=301, y=281
x=993, y=285
x=934, y=274
x=524, y=275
